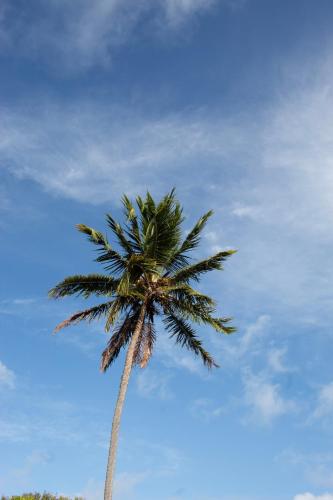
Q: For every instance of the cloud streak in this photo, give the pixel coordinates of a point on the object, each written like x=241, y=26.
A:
x=7, y=377
x=265, y=399
x=310, y=496
x=325, y=402
x=90, y=153
x=82, y=35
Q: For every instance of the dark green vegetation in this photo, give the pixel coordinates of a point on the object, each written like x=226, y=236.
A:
x=38, y=496
x=150, y=274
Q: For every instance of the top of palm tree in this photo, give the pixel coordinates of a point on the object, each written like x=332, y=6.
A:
x=151, y=266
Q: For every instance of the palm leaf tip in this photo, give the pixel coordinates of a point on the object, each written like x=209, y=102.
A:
x=94, y=236
x=82, y=228
x=62, y=325
x=211, y=363
x=52, y=294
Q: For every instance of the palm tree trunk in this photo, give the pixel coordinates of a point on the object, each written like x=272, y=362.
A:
x=119, y=406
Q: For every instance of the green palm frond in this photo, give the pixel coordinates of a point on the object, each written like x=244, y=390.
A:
x=192, y=240
x=120, y=235
x=199, y=312
x=160, y=227
x=184, y=292
x=94, y=236
x=181, y=258
x=114, y=262
x=84, y=286
x=132, y=228
x=186, y=336
x=194, y=271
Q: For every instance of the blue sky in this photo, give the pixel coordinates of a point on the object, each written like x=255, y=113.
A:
x=231, y=102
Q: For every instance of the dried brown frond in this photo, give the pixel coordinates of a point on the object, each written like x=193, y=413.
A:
x=119, y=339
x=144, y=346
x=67, y=322
x=88, y=314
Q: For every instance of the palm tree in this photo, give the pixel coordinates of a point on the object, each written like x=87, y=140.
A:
x=150, y=273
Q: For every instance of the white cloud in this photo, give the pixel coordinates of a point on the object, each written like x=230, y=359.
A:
x=76, y=152
x=275, y=358
x=36, y=458
x=179, y=10
x=321, y=475
x=310, y=496
x=43, y=419
x=7, y=377
x=325, y=401
x=152, y=383
x=249, y=342
x=14, y=431
x=81, y=35
x=253, y=333
x=126, y=483
x=92, y=490
x=145, y=459
x=16, y=306
x=264, y=398
x=90, y=155
x=242, y=211
x=173, y=355
x=317, y=467
x=206, y=410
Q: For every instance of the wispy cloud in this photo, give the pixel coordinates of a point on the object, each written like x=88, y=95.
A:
x=83, y=35
x=92, y=155
x=93, y=490
x=325, y=402
x=265, y=399
x=146, y=461
x=276, y=360
x=162, y=459
x=253, y=343
x=152, y=383
x=126, y=483
x=311, y=496
x=177, y=11
x=289, y=144
x=35, y=458
x=173, y=355
x=13, y=432
x=26, y=466
x=206, y=409
x=7, y=377
x=244, y=211
x=250, y=340
x=41, y=419
x=16, y=306
x=317, y=468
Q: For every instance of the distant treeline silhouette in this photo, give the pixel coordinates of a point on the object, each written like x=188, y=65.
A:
x=39, y=496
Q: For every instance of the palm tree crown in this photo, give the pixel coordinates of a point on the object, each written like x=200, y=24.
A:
x=150, y=269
